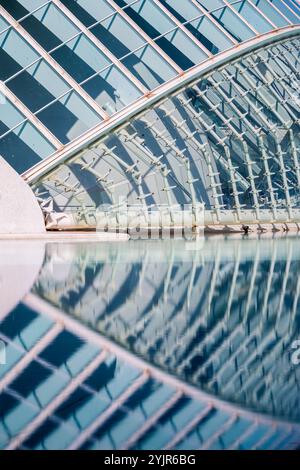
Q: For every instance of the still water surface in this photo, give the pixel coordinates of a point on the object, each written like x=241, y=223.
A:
x=150, y=344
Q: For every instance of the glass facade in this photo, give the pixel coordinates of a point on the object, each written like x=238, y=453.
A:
x=230, y=140
x=73, y=68
x=73, y=64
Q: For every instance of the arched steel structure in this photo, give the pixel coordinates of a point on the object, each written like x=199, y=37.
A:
x=102, y=100
x=229, y=140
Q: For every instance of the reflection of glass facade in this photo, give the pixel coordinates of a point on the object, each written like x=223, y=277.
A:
x=73, y=71
x=185, y=354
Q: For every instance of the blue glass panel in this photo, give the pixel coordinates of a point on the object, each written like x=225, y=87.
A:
x=295, y=6
x=254, y=437
x=156, y=24
x=13, y=356
x=182, y=9
x=19, y=8
x=10, y=328
x=19, y=417
x=270, y=12
x=3, y=24
x=210, y=36
x=202, y=27
x=172, y=422
x=50, y=27
x=10, y=116
x=282, y=6
x=233, y=24
x=275, y=437
x=15, y=54
x=60, y=437
x=253, y=17
x=69, y=117
x=228, y=438
x=125, y=43
x=34, y=331
x=80, y=57
x=25, y=146
x=38, y=86
x=210, y=5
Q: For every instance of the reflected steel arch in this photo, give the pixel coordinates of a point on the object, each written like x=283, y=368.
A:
x=148, y=321
x=83, y=279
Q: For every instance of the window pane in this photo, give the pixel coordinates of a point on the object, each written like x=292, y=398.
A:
x=80, y=58
x=121, y=39
x=233, y=24
x=270, y=12
x=182, y=9
x=211, y=37
x=89, y=11
x=149, y=67
x=69, y=117
x=295, y=6
x=117, y=35
x=20, y=8
x=49, y=27
x=15, y=54
x=248, y=12
x=24, y=146
x=286, y=11
x=202, y=28
x=3, y=24
x=210, y=5
x=9, y=115
x=156, y=23
x=111, y=90
x=38, y=85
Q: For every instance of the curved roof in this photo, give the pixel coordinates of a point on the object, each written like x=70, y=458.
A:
x=68, y=65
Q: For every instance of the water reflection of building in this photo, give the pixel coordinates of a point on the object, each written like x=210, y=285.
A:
x=223, y=323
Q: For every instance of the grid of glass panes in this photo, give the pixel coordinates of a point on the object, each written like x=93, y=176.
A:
x=115, y=51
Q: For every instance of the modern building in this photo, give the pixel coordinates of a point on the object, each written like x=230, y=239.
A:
x=158, y=103
x=152, y=105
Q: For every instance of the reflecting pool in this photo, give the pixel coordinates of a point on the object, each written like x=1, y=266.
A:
x=170, y=344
